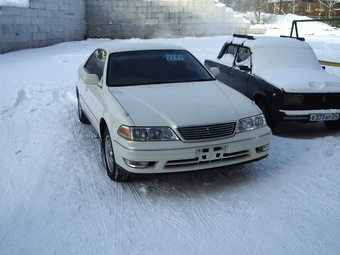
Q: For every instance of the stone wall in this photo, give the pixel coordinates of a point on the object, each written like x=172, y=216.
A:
x=44, y=23
x=47, y=22
x=159, y=18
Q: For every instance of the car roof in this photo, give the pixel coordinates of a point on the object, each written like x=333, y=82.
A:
x=136, y=46
x=270, y=41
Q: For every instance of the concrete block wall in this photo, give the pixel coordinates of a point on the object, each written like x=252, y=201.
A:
x=48, y=22
x=159, y=18
x=44, y=23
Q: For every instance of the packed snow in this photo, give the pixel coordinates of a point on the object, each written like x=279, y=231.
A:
x=57, y=199
x=16, y=3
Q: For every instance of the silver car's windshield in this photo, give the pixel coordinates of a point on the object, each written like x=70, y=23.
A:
x=154, y=67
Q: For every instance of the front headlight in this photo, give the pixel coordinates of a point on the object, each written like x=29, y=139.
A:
x=147, y=133
x=251, y=123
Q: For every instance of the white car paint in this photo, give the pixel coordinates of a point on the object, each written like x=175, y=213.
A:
x=171, y=105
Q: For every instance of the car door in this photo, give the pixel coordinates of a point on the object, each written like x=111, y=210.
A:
x=240, y=71
x=94, y=93
x=227, y=61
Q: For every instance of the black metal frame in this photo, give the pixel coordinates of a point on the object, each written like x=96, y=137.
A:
x=294, y=24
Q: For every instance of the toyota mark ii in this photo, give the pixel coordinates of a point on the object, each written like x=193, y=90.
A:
x=157, y=109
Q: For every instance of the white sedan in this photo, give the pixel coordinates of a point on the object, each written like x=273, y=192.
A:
x=157, y=109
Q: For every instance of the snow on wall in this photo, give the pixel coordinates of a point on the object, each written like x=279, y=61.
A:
x=38, y=23
x=18, y=3
x=160, y=18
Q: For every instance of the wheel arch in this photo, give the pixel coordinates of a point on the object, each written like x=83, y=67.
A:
x=258, y=96
x=102, y=127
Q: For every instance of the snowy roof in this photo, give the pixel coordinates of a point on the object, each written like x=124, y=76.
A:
x=271, y=41
x=289, y=64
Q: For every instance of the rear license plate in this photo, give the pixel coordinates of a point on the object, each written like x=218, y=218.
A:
x=324, y=116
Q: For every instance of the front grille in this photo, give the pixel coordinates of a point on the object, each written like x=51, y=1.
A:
x=326, y=100
x=205, y=132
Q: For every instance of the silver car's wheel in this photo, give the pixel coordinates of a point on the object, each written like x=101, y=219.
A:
x=113, y=171
x=109, y=154
x=265, y=110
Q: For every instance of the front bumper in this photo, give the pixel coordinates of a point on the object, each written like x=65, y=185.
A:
x=304, y=115
x=181, y=157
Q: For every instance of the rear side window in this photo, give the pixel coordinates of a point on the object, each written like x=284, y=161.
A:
x=95, y=64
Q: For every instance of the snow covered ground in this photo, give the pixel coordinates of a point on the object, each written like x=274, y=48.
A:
x=56, y=197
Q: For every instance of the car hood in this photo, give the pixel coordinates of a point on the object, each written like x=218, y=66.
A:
x=301, y=80
x=181, y=104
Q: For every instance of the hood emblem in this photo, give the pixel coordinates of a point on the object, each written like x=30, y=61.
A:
x=209, y=131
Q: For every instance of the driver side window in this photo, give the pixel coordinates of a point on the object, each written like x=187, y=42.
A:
x=95, y=65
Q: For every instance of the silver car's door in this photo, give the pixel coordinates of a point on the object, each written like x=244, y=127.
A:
x=93, y=90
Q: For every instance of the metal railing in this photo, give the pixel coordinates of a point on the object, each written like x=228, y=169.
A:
x=329, y=63
x=294, y=26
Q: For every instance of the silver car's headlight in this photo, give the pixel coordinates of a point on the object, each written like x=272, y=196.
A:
x=251, y=123
x=147, y=133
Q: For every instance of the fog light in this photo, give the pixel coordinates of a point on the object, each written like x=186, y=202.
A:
x=136, y=164
x=262, y=148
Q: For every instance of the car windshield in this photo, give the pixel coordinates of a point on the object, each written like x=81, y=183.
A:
x=154, y=67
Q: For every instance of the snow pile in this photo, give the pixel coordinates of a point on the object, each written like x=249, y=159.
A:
x=17, y=3
x=56, y=197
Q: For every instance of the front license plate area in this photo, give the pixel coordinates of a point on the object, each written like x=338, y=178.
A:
x=323, y=116
x=212, y=153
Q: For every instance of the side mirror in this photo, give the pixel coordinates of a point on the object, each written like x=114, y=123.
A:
x=91, y=79
x=215, y=71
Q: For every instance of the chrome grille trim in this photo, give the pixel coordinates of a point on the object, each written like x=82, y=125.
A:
x=205, y=132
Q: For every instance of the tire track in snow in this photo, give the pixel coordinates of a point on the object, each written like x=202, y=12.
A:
x=210, y=222
x=91, y=159
x=241, y=209
x=173, y=217
x=142, y=207
x=300, y=214
x=118, y=215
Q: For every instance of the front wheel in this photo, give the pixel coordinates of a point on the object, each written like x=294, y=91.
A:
x=113, y=171
x=333, y=125
x=265, y=110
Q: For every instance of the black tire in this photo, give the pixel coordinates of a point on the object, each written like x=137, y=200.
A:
x=265, y=110
x=81, y=115
x=113, y=170
x=333, y=125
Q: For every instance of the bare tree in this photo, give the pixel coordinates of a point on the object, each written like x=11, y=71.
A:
x=330, y=5
x=258, y=7
x=294, y=6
